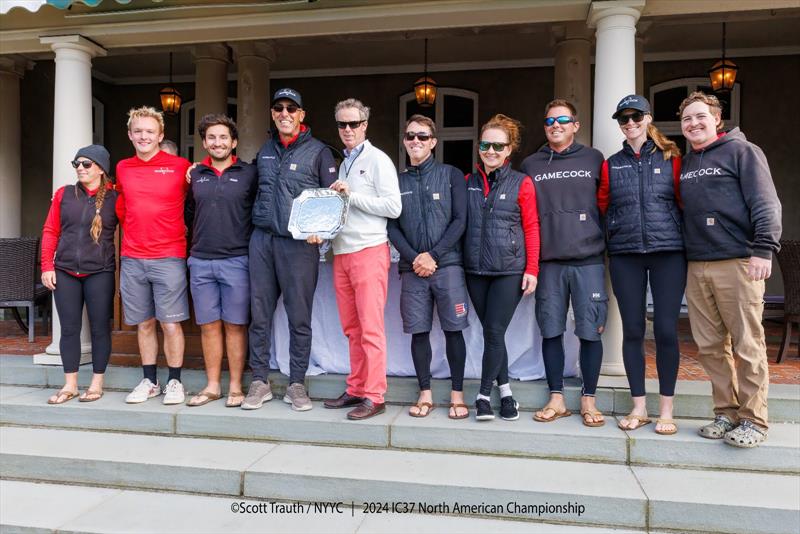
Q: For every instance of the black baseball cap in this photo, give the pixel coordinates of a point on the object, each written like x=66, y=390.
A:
x=637, y=102
x=288, y=94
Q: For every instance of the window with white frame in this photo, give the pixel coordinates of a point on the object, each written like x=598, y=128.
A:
x=666, y=97
x=189, y=125
x=455, y=114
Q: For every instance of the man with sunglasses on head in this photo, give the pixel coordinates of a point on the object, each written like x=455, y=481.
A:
x=361, y=259
x=428, y=236
x=290, y=162
x=566, y=176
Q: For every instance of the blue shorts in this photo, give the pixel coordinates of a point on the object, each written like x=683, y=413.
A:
x=585, y=286
x=220, y=289
x=447, y=288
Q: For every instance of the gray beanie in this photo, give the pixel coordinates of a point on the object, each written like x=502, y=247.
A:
x=98, y=154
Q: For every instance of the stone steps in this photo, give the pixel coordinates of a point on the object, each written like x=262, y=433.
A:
x=98, y=510
x=610, y=495
x=564, y=439
x=692, y=400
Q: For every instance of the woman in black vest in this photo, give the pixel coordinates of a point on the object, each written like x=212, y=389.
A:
x=501, y=253
x=78, y=265
x=639, y=192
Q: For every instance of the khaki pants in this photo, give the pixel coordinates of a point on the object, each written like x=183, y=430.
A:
x=725, y=310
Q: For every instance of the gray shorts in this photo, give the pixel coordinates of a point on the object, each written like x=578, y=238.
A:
x=447, y=288
x=220, y=289
x=585, y=285
x=153, y=288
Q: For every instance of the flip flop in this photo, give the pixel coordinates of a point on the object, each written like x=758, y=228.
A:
x=666, y=422
x=593, y=414
x=68, y=396
x=454, y=406
x=204, y=398
x=91, y=395
x=230, y=403
x=420, y=406
x=556, y=415
x=642, y=421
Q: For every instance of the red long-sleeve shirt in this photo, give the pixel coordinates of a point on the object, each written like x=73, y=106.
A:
x=150, y=206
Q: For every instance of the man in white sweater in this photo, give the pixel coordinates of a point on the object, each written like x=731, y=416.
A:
x=361, y=259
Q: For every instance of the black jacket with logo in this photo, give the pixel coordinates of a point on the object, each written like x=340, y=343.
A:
x=730, y=206
x=77, y=252
x=566, y=194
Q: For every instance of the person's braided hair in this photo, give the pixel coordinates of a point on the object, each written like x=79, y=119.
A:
x=97, y=222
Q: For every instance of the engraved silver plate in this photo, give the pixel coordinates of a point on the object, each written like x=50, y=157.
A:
x=320, y=212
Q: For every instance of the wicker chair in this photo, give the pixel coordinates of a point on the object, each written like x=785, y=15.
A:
x=789, y=260
x=18, y=287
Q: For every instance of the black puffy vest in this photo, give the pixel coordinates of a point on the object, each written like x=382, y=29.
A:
x=284, y=173
x=77, y=252
x=643, y=214
x=427, y=209
x=494, y=243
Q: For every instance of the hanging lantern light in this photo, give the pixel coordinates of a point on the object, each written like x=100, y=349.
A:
x=170, y=97
x=723, y=72
x=425, y=87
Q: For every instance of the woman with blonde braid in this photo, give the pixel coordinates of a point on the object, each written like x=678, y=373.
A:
x=640, y=194
x=78, y=265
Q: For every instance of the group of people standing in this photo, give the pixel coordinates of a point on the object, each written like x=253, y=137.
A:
x=706, y=224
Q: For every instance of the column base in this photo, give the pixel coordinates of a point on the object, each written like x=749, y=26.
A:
x=55, y=359
x=612, y=369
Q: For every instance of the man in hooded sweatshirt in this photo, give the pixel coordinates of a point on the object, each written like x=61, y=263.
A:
x=732, y=219
x=566, y=176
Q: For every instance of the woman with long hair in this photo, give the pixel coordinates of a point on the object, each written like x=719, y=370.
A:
x=78, y=265
x=640, y=195
x=501, y=253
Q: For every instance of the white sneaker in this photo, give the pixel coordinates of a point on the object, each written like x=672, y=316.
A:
x=173, y=392
x=145, y=390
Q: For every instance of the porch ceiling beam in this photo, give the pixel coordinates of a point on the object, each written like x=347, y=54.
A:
x=400, y=16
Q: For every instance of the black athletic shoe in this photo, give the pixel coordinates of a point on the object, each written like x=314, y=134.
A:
x=508, y=408
x=484, y=409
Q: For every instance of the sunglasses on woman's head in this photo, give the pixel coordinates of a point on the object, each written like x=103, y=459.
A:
x=636, y=116
x=562, y=119
x=484, y=146
x=86, y=163
x=291, y=109
x=422, y=136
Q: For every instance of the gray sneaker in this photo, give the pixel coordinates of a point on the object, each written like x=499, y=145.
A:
x=296, y=396
x=257, y=395
x=746, y=435
x=717, y=429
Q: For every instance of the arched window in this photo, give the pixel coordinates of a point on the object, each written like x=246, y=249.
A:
x=455, y=114
x=188, y=126
x=666, y=97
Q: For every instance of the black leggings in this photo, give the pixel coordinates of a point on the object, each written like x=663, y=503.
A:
x=495, y=299
x=591, y=357
x=456, y=351
x=667, y=273
x=97, y=291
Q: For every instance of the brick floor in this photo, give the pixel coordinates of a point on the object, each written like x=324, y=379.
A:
x=13, y=341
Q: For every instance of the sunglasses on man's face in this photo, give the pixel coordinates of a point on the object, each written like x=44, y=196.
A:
x=86, y=163
x=562, y=119
x=484, y=146
x=291, y=109
x=623, y=119
x=422, y=136
x=342, y=125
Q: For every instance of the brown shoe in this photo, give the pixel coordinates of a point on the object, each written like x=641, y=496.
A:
x=344, y=400
x=365, y=410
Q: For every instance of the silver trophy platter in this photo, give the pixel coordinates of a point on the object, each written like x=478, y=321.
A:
x=320, y=212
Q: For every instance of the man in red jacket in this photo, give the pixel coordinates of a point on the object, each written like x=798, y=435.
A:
x=153, y=253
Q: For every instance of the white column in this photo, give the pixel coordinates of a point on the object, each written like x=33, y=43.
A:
x=614, y=77
x=72, y=129
x=573, y=73
x=253, y=60
x=11, y=71
x=211, y=85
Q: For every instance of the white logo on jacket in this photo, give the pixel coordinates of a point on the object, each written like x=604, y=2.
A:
x=582, y=173
x=709, y=171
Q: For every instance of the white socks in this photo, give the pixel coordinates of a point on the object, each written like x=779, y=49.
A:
x=505, y=390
